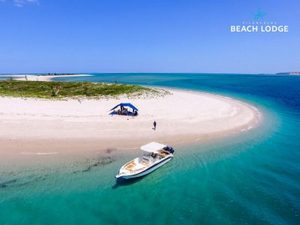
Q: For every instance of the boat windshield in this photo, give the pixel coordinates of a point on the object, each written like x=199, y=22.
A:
x=145, y=158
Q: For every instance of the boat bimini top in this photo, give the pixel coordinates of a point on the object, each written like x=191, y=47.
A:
x=153, y=147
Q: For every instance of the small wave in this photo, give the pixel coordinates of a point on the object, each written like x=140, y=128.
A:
x=246, y=129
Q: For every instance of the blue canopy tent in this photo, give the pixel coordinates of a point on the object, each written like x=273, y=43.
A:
x=124, y=109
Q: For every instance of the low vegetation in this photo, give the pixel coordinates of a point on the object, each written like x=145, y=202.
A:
x=42, y=89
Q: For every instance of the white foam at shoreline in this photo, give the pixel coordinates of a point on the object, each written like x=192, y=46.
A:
x=39, y=153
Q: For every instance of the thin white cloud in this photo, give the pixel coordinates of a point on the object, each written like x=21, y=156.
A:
x=21, y=3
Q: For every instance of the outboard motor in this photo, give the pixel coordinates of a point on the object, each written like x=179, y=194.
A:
x=169, y=149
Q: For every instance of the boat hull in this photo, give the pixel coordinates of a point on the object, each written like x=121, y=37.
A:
x=146, y=171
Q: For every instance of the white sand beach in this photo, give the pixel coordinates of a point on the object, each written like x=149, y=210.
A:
x=30, y=77
x=47, y=126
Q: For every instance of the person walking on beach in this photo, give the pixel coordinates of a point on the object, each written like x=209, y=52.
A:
x=154, y=125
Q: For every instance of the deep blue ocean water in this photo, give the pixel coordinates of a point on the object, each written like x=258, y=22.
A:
x=249, y=178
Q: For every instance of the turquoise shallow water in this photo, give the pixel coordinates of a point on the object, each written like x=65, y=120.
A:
x=249, y=178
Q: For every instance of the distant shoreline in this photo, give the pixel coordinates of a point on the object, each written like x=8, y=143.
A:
x=289, y=73
x=42, y=77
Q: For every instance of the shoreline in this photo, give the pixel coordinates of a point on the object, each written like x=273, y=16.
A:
x=70, y=126
x=31, y=77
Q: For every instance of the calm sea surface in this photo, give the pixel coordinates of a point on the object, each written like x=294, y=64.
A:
x=249, y=178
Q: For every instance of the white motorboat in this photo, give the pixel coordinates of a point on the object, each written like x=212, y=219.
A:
x=154, y=156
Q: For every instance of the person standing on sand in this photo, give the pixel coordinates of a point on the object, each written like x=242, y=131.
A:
x=154, y=125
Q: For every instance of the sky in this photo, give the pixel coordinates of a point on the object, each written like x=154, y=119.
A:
x=192, y=36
